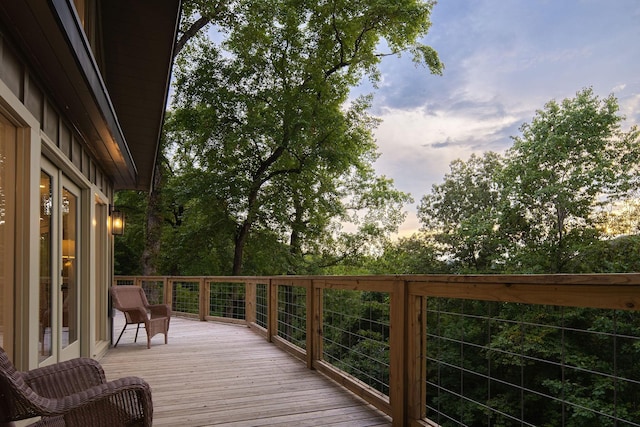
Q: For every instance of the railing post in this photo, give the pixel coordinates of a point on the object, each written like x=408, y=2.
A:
x=272, y=308
x=397, y=354
x=311, y=337
x=167, y=292
x=416, y=357
x=250, y=302
x=205, y=297
x=170, y=287
x=314, y=322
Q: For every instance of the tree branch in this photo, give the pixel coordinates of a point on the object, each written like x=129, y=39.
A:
x=189, y=33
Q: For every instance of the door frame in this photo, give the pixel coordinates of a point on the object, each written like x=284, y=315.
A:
x=60, y=181
x=7, y=300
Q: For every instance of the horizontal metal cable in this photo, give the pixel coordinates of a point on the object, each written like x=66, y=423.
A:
x=482, y=405
x=341, y=346
x=461, y=320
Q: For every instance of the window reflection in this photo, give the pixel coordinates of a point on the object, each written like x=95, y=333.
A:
x=46, y=301
x=69, y=269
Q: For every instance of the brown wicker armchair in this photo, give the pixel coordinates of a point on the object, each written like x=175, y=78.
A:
x=72, y=393
x=132, y=301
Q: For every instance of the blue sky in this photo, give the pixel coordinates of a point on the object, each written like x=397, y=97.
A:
x=504, y=59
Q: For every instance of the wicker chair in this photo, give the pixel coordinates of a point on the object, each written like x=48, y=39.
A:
x=132, y=301
x=72, y=393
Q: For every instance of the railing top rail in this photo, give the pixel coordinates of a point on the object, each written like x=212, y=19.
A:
x=600, y=279
x=608, y=291
x=414, y=301
x=631, y=279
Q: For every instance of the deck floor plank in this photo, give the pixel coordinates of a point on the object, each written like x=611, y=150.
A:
x=215, y=374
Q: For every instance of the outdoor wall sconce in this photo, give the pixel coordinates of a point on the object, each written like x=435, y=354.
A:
x=117, y=222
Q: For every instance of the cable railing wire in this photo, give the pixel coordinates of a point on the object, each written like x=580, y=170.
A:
x=292, y=314
x=227, y=300
x=261, y=305
x=454, y=329
x=356, y=335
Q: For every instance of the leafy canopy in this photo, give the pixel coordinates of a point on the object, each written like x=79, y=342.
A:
x=262, y=113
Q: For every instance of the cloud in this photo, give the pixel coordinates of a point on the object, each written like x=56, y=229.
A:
x=619, y=87
x=503, y=61
x=410, y=225
x=630, y=108
x=417, y=146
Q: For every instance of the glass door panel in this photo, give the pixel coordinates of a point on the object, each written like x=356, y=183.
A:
x=45, y=312
x=69, y=297
x=69, y=286
x=59, y=293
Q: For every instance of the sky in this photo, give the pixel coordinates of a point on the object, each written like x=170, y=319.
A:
x=504, y=59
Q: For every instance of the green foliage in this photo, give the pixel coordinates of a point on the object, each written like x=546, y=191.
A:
x=186, y=297
x=543, y=207
x=549, y=365
x=356, y=335
x=292, y=314
x=463, y=213
x=563, y=166
x=227, y=300
x=128, y=247
x=408, y=255
x=265, y=157
x=261, y=121
x=540, y=208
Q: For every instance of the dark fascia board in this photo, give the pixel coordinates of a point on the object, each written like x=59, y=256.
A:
x=48, y=35
x=35, y=33
x=139, y=38
x=65, y=13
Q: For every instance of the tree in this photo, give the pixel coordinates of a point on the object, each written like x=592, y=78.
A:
x=196, y=15
x=266, y=107
x=128, y=248
x=462, y=214
x=568, y=161
x=415, y=254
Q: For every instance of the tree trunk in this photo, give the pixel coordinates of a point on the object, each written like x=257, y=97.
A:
x=243, y=232
x=295, y=243
x=153, y=224
x=241, y=240
x=558, y=257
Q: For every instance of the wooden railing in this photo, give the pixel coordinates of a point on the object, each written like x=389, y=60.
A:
x=267, y=305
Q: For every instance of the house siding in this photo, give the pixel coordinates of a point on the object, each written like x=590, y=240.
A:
x=76, y=135
x=23, y=83
x=40, y=116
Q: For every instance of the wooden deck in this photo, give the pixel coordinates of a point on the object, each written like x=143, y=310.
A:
x=215, y=374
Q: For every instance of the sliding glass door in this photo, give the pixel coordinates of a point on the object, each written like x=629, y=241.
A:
x=59, y=293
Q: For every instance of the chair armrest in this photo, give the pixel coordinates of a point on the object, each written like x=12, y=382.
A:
x=65, y=378
x=116, y=402
x=135, y=314
x=160, y=310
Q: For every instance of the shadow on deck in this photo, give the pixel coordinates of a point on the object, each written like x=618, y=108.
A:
x=226, y=375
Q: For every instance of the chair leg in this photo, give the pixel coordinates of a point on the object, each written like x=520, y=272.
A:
x=137, y=329
x=166, y=331
x=125, y=327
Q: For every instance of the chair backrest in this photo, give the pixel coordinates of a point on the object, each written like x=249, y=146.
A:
x=128, y=296
x=15, y=394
